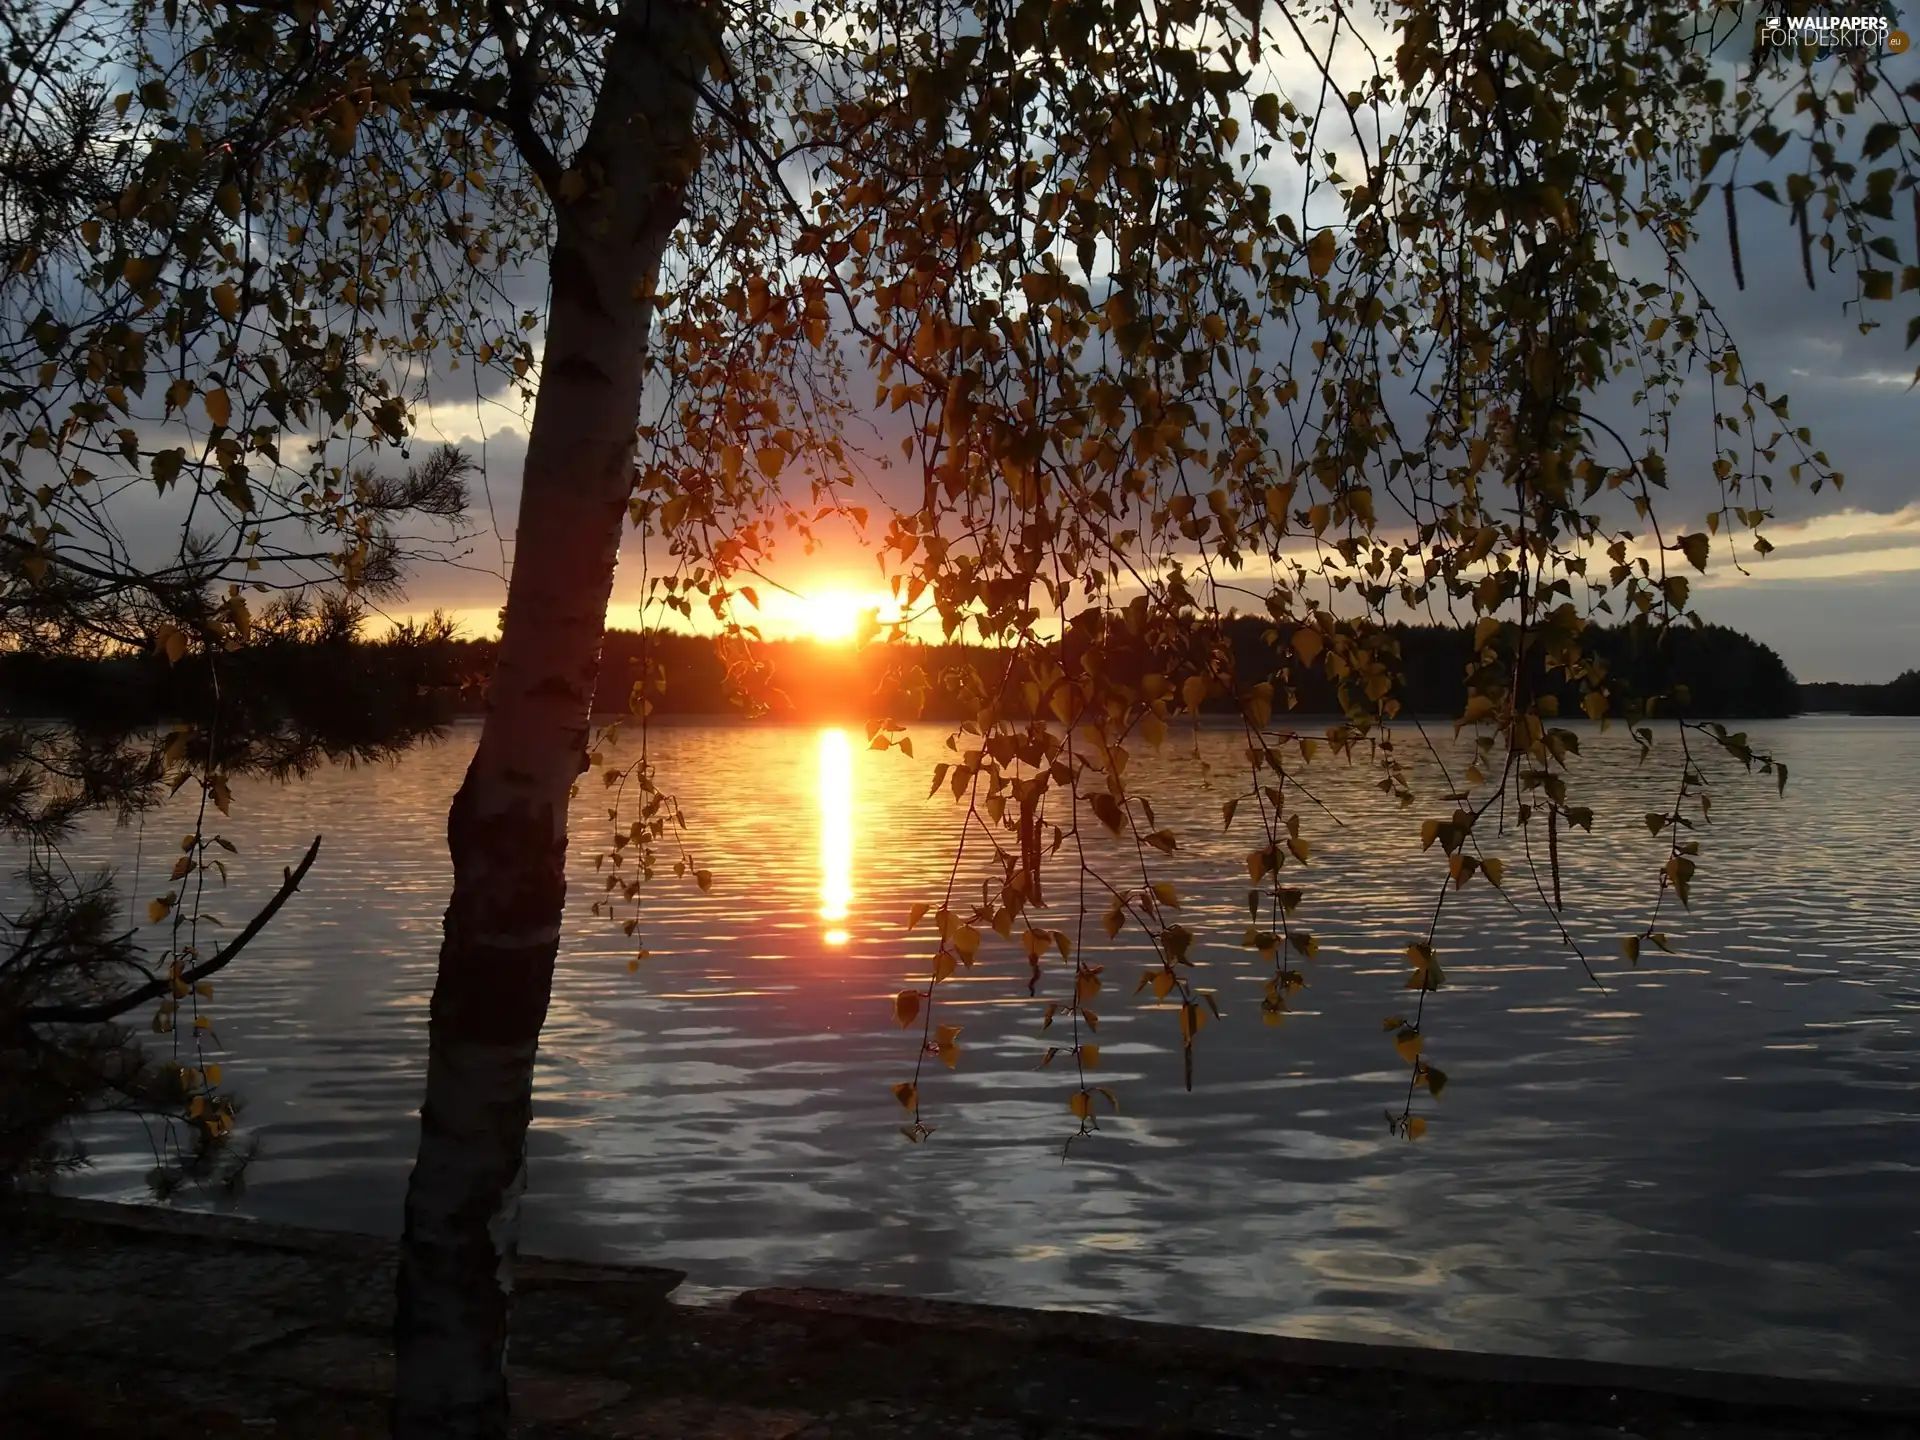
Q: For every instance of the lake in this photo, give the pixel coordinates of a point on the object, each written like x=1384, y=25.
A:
x=1714, y=1162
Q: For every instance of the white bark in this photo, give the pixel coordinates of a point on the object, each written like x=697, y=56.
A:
x=507, y=828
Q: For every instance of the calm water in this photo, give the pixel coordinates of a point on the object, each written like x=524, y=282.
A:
x=1716, y=1162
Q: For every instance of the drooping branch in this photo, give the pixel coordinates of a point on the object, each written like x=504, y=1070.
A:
x=105, y=1010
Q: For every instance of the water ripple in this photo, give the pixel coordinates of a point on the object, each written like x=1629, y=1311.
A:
x=1711, y=1163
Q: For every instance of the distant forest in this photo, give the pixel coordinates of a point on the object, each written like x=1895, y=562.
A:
x=1723, y=674
x=1896, y=697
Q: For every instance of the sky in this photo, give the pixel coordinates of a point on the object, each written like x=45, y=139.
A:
x=1838, y=598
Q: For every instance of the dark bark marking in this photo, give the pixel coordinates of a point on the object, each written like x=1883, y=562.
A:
x=573, y=282
x=493, y=995
x=578, y=370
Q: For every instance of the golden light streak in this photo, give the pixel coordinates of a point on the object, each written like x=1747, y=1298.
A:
x=836, y=833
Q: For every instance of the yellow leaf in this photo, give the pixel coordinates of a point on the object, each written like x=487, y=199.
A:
x=704, y=879
x=219, y=408
x=157, y=910
x=906, y=1007
x=1081, y=1104
x=1320, y=254
x=944, y=1043
x=1090, y=1056
x=226, y=301
x=1416, y=1127
x=1408, y=1043
x=915, y=913
x=907, y=1093
x=1193, y=690
x=1495, y=869
x=1192, y=1017
x=213, y=1074
x=222, y=796
x=140, y=271
x=1307, y=643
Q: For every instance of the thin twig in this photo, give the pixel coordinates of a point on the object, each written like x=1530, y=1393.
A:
x=108, y=1009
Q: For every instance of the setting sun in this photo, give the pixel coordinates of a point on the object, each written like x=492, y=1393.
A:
x=833, y=617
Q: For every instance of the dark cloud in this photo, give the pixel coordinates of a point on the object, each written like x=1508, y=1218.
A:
x=1893, y=536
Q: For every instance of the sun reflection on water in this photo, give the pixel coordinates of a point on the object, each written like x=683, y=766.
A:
x=836, y=833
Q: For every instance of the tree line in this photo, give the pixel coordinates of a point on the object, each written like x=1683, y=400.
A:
x=328, y=682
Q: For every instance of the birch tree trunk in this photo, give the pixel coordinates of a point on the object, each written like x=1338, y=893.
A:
x=507, y=829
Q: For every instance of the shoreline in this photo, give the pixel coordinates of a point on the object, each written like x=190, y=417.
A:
x=135, y=1320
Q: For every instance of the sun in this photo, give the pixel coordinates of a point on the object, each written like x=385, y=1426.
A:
x=833, y=617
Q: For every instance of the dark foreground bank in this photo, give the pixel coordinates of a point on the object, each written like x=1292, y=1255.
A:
x=116, y=1321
